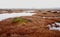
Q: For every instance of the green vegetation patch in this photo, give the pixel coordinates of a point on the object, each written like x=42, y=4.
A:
x=21, y=20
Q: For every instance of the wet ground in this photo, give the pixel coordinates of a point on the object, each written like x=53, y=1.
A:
x=37, y=25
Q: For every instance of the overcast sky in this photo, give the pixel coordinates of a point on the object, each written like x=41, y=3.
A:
x=32, y=4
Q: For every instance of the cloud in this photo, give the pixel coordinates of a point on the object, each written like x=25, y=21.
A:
x=35, y=4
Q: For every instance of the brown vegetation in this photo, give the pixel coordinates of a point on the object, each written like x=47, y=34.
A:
x=36, y=26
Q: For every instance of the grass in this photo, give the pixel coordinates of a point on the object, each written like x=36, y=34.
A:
x=21, y=20
x=58, y=21
x=44, y=13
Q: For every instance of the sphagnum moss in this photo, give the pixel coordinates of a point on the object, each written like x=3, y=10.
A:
x=21, y=20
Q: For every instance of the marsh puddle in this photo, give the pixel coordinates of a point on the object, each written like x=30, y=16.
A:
x=11, y=15
x=54, y=26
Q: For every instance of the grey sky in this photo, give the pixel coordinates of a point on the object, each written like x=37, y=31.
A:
x=30, y=4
